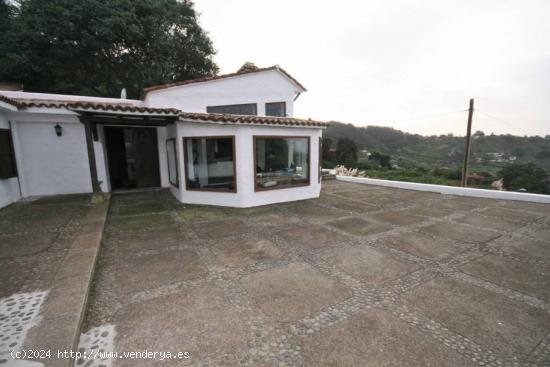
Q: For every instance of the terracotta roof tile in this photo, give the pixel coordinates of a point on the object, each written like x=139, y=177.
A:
x=11, y=101
x=245, y=69
x=193, y=116
x=108, y=107
x=251, y=119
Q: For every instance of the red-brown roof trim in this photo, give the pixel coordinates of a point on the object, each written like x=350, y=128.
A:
x=11, y=101
x=223, y=76
x=108, y=107
x=251, y=119
x=192, y=116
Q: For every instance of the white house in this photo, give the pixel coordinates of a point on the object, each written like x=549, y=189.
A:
x=227, y=140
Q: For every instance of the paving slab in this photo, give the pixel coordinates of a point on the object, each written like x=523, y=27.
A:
x=533, y=279
x=200, y=321
x=523, y=246
x=370, y=264
x=141, y=222
x=49, y=221
x=239, y=252
x=541, y=234
x=424, y=246
x=513, y=215
x=358, y=227
x=276, y=219
x=26, y=244
x=153, y=239
x=540, y=208
x=453, y=203
x=398, y=218
x=141, y=208
x=220, y=229
x=459, y=232
x=199, y=213
x=383, y=200
x=503, y=224
x=150, y=271
x=493, y=320
x=377, y=338
x=293, y=291
x=348, y=205
x=311, y=210
x=310, y=236
x=430, y=211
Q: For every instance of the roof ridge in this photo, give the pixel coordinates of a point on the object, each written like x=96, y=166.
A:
x=241, y=71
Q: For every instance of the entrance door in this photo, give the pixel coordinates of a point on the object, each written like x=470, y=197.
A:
x=132, y=153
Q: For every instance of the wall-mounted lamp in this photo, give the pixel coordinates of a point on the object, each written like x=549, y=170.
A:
x=58, y=130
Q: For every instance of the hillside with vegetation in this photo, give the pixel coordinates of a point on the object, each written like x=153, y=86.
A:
x=388, y=153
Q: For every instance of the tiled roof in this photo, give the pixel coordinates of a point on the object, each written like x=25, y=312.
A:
x=122, y=106
x=11, y=101
x=108, y=107
x=251, y=119
x=245, y=69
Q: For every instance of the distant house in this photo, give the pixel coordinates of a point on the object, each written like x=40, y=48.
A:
x=227, y=140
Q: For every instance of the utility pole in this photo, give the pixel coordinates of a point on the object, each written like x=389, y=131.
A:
x=464, y=181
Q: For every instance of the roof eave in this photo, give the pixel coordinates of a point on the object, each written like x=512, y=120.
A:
x=277, y=68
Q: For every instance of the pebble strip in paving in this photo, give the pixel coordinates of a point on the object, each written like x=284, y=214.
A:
x=97, y=344
x=18, y=313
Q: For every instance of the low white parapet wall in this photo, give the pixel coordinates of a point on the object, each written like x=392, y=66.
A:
x=450, y=190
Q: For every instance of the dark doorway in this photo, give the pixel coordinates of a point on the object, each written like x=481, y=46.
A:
x=133, y=158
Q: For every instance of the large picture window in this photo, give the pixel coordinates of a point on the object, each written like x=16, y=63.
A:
x=171, y=157
x=8, y=168
x=281, y=162
x=210, y=163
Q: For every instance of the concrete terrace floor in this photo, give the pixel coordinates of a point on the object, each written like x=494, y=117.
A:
x=35, y=237
x=363, y=276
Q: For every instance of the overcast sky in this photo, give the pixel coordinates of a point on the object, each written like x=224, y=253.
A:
x=411, y=65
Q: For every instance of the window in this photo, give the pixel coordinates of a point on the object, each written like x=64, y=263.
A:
x=281, y=162
x=210, y=163
x=235, y=109
x=8, y=168
x=275, y=109
x=172, y=159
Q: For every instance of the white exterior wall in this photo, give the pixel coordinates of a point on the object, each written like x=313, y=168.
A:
x=163, y=160
x=48, y=164
x=9, y=188
x=260, y=88
x=171, y=132
x=245, y=195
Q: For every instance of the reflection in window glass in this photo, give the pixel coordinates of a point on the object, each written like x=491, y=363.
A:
x=210, y=163
x=172, y=162
x=281, y=162
x=235, y=109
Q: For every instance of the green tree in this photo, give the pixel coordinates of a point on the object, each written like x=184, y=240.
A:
x=98, y=47
x=346, y=152
x=383, y=160
x=326, y=145
x=525, y=176
x=543, y=154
